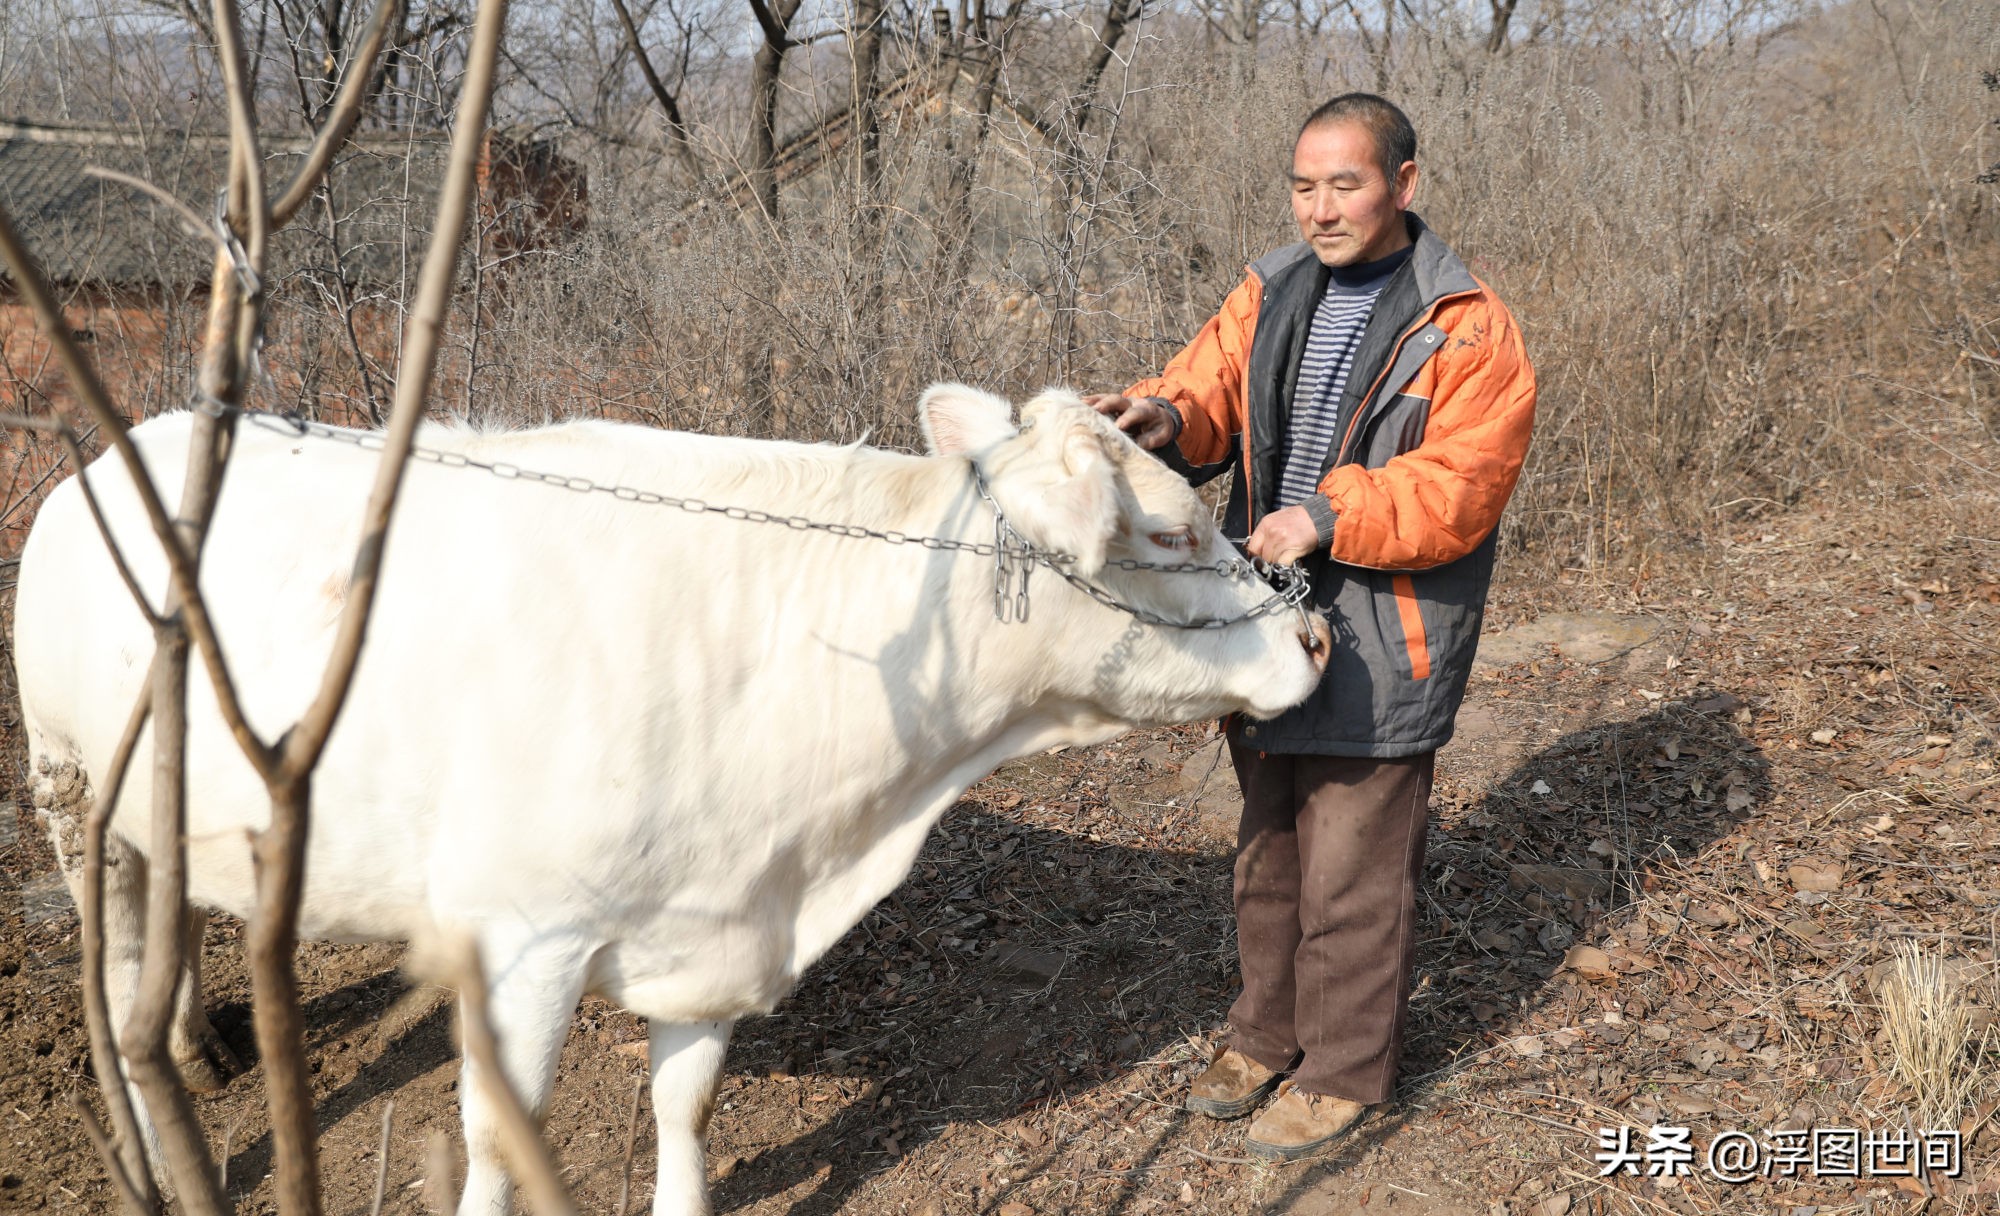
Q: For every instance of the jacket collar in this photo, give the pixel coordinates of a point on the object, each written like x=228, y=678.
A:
x=1437, y=270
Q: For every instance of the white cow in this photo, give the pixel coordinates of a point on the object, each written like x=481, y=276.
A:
x=664, y=757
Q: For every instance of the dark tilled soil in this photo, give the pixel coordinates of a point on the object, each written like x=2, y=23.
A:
x=1680, y=831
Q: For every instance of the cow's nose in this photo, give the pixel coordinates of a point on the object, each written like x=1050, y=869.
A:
x=1317, y=639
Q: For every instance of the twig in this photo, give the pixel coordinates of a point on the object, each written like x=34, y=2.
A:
x=228, y=1139
x=196, y=227
x=437, y=1173
x=111, y=546
x=382, y=1159
x=112, y=1165
x=1223, y=1160
x=631, y=1142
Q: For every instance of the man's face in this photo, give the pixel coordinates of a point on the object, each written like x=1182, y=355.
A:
x=1348, y=211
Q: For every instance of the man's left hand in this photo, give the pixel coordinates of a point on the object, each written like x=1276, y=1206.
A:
x=1283, y=537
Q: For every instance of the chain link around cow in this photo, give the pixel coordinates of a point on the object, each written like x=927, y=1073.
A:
x=1013, y=556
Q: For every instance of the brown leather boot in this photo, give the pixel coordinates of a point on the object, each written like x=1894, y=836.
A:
x=1232, y=1087
x=1299, y=1123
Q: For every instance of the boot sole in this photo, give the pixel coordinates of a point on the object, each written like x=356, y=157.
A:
x=1293, y=1152
x=1217, y=1108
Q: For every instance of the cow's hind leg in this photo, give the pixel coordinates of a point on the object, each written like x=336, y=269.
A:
x=533, y=988
x=687, y=1062
x=204, y=1061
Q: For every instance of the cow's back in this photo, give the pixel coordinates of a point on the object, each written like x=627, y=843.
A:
x=540, y=664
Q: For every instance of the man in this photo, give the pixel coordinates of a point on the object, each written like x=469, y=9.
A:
x=1375, y=402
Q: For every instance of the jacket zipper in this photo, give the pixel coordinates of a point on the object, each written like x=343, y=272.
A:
x=1367, y=399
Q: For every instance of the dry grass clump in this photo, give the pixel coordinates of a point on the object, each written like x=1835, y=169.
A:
x=1927, y=1014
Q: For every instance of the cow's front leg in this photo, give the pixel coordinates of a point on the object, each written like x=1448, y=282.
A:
x=533, y=988
x=687, y=1063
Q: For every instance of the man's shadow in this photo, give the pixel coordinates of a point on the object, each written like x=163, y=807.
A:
x=1552, y=855
x=1549, y=855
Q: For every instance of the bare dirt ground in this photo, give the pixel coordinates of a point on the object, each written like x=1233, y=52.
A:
x=1723, y=797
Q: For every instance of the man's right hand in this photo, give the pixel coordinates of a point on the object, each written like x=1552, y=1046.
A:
x=1148, y=422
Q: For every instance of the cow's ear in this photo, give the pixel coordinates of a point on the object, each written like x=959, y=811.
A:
x=958, y=420
x=1078, y=514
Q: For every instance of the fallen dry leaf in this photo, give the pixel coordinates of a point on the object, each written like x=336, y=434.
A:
x=1814, y=874
x=1589, y=962
x=1714, y=918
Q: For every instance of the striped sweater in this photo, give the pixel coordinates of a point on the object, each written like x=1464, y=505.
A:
x=1336, y=331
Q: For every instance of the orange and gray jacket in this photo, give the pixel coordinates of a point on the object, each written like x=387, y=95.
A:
x=1432, y=430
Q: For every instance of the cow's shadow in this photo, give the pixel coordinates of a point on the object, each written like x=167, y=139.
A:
x=1550, y=853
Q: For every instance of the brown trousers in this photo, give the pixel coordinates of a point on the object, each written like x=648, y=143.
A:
x=1327, y=863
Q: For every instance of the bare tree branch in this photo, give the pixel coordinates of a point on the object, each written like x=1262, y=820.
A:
x=382, y=1159
x=669, y=104
x=776, y=28
x=111, y=545
x=304, y=742
x=631, y=1142
x=354, y=89
x=144, y=1035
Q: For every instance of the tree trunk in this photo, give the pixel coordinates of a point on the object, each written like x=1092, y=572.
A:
x=870, y=214
x=1503, y=13
x=775, y=19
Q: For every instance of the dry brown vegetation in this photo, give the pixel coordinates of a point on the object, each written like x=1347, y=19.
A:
x=1737, y=876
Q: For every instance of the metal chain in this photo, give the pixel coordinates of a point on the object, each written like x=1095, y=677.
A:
x=1014, y=558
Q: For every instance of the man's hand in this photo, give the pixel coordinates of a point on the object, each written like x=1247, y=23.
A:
x=1144, y=419
x=1283, y=537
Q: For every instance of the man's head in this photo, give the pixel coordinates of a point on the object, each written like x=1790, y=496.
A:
x=1354, y=171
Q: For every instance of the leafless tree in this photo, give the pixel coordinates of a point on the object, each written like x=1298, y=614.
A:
x=183, y=624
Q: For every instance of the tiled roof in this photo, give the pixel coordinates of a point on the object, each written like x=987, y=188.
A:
x=88, y=230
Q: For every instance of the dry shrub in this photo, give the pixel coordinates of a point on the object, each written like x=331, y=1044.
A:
x=1747, y=267
x=1747, y=241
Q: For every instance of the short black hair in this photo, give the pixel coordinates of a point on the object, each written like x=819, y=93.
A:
x=1395, y=139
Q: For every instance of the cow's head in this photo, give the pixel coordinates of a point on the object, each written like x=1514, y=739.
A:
x=1061, y=478
x=1070, y=481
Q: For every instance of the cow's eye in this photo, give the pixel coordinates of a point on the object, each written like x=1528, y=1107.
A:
x=1179, y=539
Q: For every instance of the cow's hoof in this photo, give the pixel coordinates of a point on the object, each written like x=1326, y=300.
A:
x=212, y=1066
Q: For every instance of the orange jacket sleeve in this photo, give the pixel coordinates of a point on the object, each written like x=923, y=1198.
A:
x=1205, y=381
x=1438, y=501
